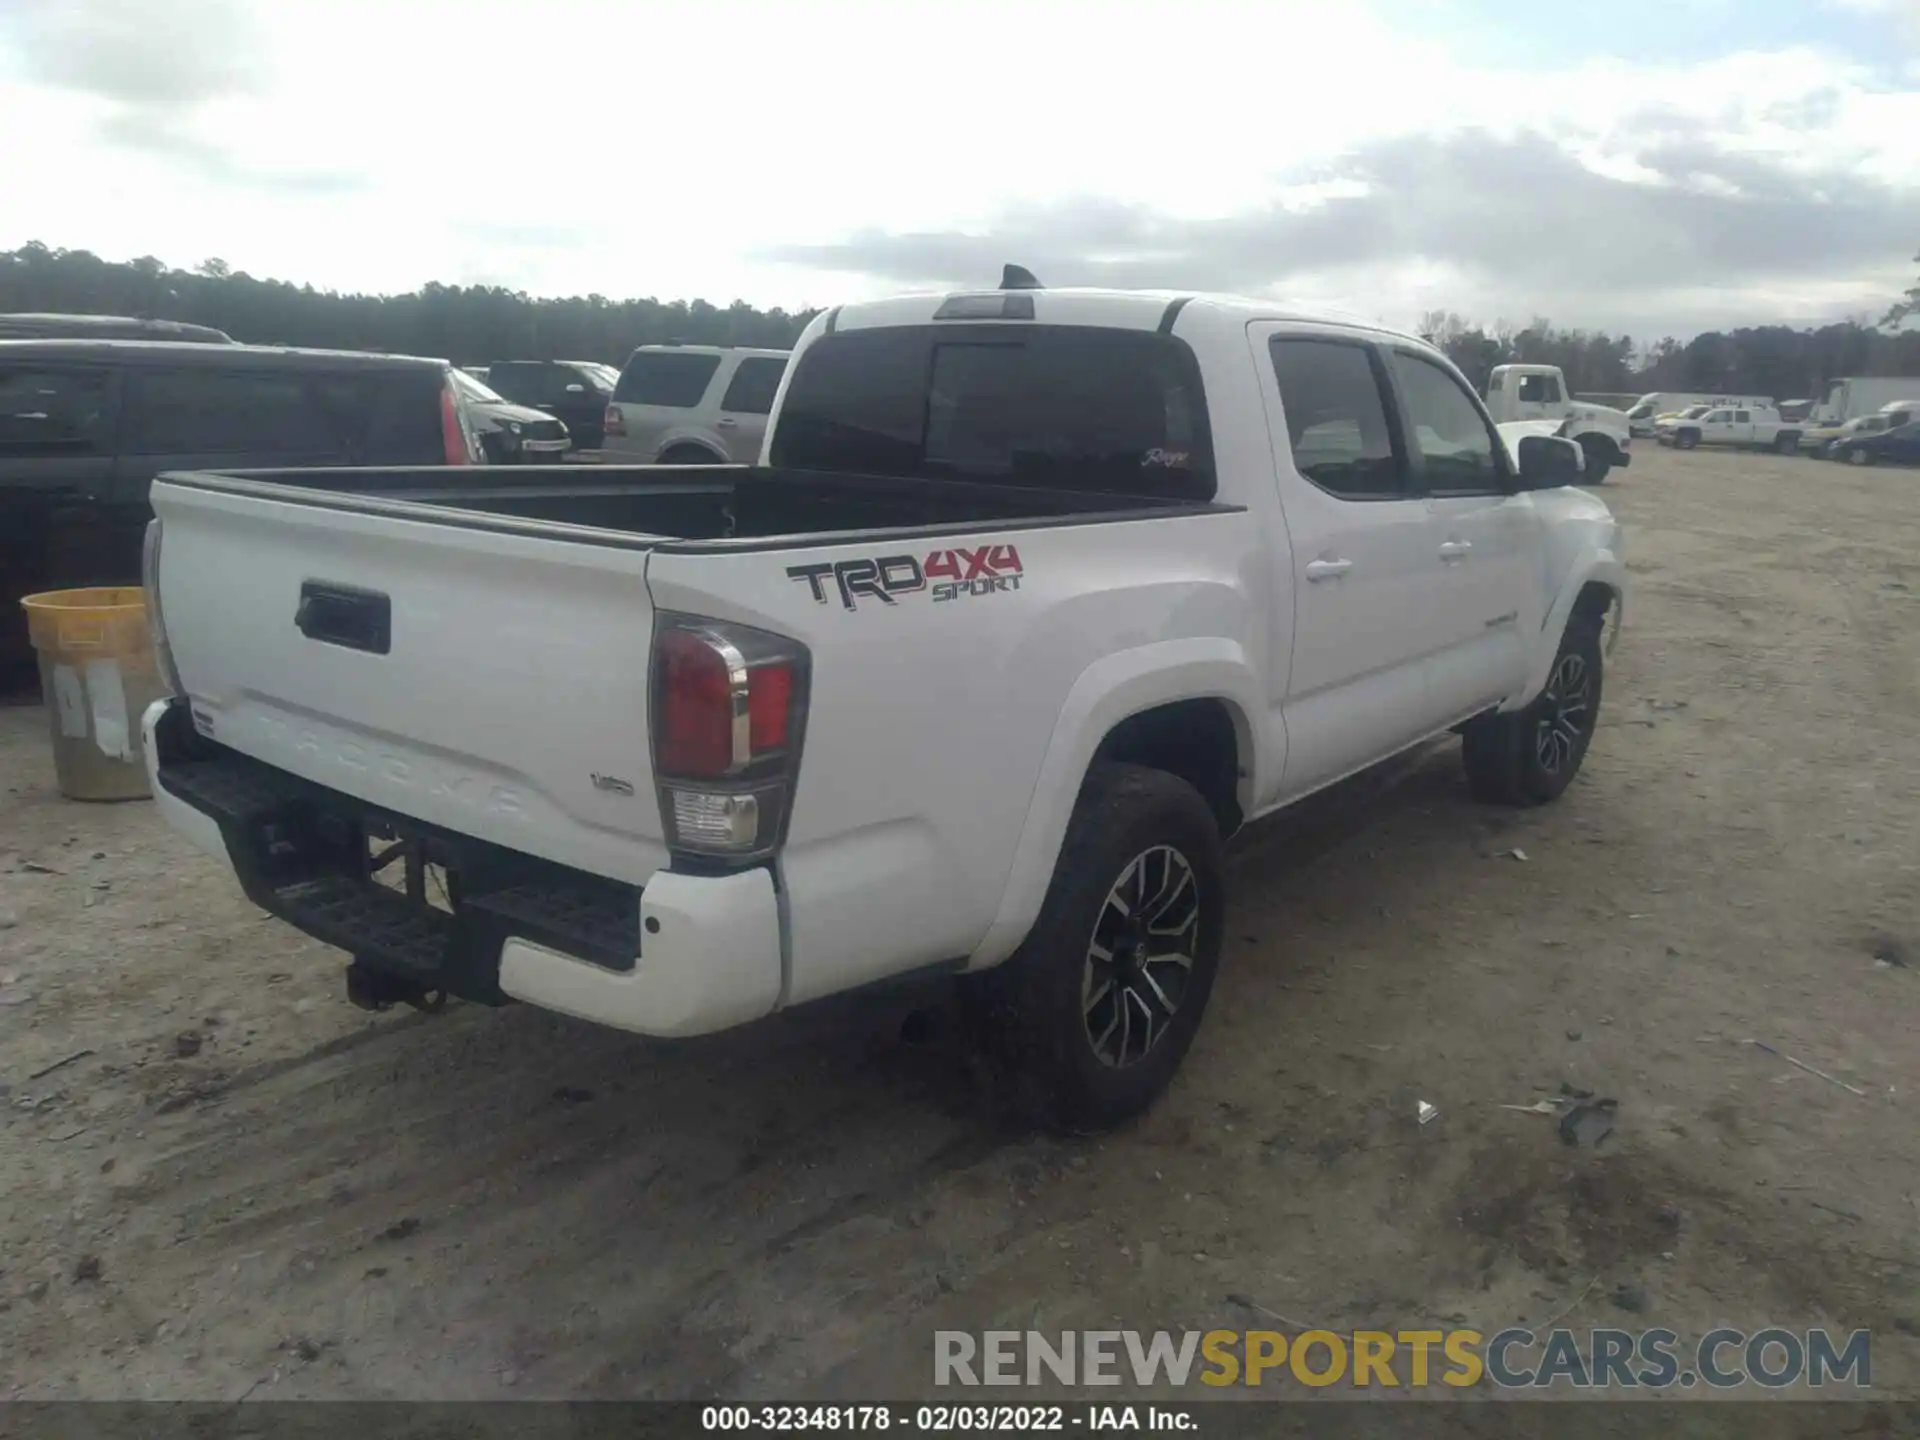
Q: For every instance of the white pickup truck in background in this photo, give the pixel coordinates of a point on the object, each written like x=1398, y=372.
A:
x=1650, y=409
x=1539, y=392
x=1037, y=597
x=1753, y=427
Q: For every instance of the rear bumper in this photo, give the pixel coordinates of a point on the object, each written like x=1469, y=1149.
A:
x=683, y=955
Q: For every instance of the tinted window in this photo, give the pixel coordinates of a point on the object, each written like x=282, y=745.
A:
x=665, y=377
x=1336, y=418
x=1455, y=447
x=1062, y=407
x=593, y=379
x=1542, y=388
x=1742, y=417
x=389, y=417
x=751, y=390
x=527, y=384
x=200, y=411
x=48, y=410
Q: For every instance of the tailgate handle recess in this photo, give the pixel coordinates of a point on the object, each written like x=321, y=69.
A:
x=341, y=615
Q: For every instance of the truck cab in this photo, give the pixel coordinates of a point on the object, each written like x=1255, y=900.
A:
x=1539, y=392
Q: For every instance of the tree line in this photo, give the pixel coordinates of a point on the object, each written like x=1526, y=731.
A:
x=473, y=324
x=1774, y=360
x=468, y=324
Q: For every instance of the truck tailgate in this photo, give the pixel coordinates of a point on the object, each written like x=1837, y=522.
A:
x=478, y=680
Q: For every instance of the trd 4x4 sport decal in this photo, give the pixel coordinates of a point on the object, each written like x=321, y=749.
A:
x=948, y=574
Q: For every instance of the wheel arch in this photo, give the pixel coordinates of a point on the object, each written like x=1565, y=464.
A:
x=1602, y=441
x=1181, y=706
x=689, y=442
x=1595, y=589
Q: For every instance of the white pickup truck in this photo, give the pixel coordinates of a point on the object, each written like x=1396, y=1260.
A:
x=1035, y=599
x=1749, y=427
x=1539, y=392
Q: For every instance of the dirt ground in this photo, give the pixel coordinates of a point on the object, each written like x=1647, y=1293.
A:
x=245, y=1187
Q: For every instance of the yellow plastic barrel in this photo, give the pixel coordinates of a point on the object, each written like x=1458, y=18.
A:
x=98, y=674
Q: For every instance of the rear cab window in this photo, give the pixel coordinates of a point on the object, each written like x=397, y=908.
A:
x=675, y=380
x=1086, y=408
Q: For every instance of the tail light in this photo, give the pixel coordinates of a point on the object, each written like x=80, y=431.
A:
x=614, y=422
x=729, y=709
x=456, y=447
x=156, y=620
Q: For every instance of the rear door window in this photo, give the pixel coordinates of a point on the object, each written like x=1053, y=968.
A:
x=674, y=379
x=53, y=410
x=200, y=411
x=1336, y=413
x=750, y=392
x=388, y=417
x=1059, y=407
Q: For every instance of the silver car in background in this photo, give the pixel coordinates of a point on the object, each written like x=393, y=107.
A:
x=693, y=405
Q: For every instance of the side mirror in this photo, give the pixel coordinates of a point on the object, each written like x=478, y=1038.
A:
x=1548, y=462
x=576, y=389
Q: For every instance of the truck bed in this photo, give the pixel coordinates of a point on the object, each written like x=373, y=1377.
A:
x=685, y=505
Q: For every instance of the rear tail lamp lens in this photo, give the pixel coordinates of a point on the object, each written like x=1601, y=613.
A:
x=728, y=708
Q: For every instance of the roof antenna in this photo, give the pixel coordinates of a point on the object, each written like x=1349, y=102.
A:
x=1018, y=277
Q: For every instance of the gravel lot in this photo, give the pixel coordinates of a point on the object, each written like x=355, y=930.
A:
x=246, y=1187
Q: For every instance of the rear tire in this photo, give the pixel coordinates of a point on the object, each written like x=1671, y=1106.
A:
x=1089, y=1019
x=1787, y=444
x=1530, y=756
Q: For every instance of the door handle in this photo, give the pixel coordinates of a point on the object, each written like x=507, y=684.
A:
x=1318, y=570
x=726, y=424
x=344, y=616
x=1455, y=550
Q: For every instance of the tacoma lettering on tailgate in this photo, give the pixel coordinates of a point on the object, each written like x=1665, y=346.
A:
x=945, y=574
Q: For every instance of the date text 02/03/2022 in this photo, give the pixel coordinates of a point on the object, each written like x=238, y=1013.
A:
x=946, y=1419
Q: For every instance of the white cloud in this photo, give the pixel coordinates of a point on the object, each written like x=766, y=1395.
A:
x=637, y=146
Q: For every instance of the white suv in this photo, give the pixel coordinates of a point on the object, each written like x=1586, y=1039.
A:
x=693, y=404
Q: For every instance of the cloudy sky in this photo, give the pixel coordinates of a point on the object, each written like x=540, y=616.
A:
x=1652, y=166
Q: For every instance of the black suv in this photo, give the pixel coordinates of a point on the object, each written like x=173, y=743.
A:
x=576, y=391
x=85, y=425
